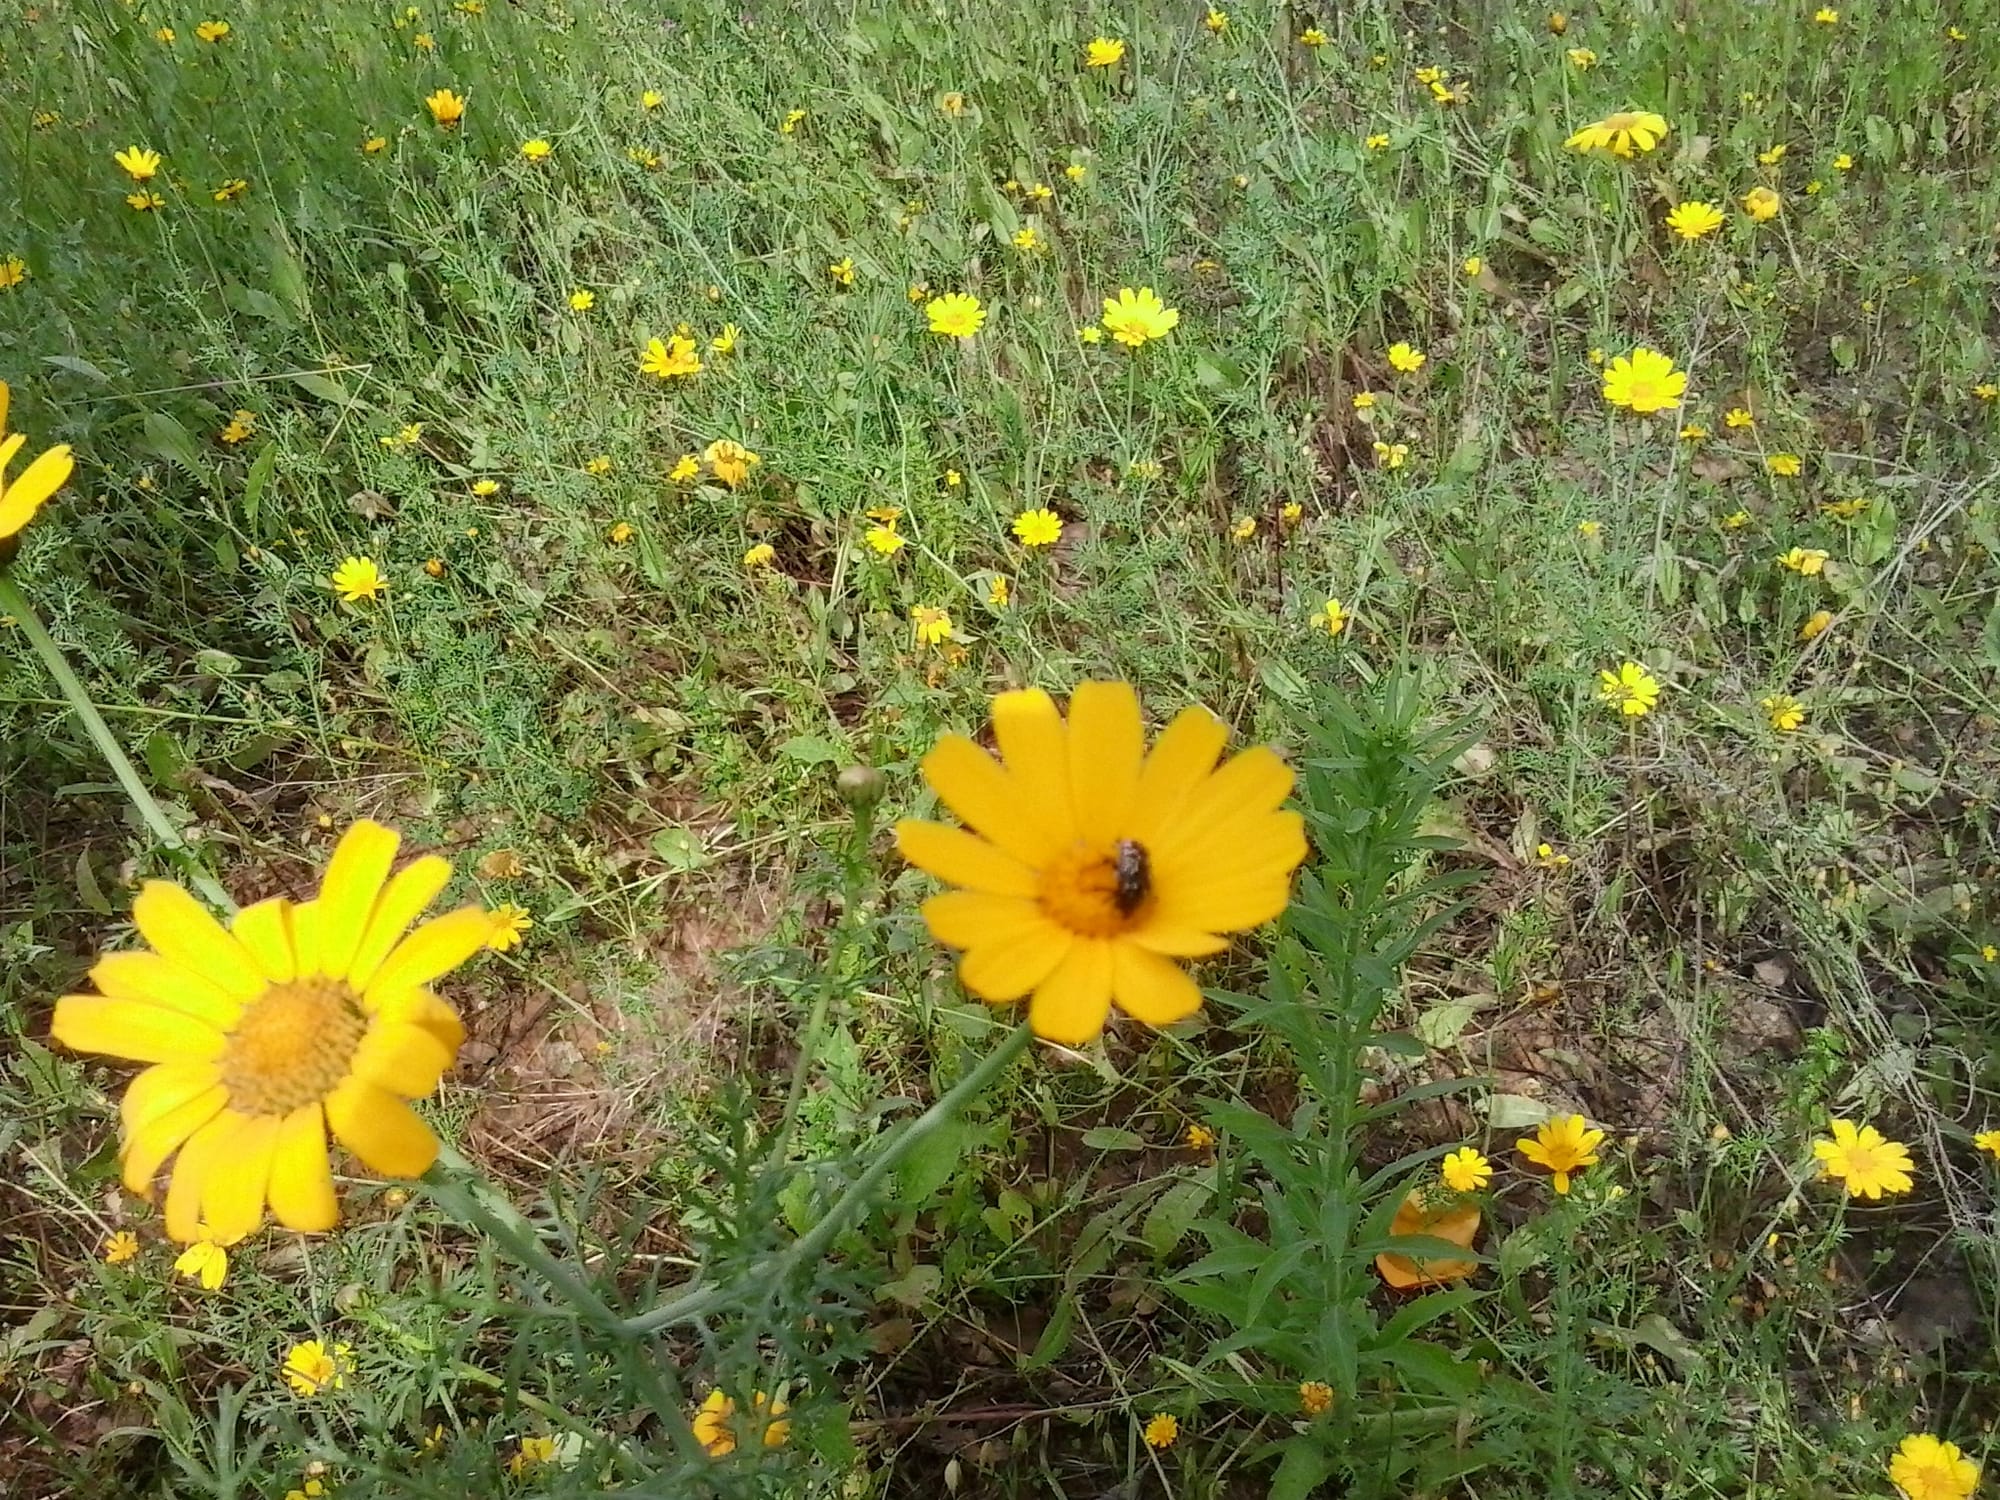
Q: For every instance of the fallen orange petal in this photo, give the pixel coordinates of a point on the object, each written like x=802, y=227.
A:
x=1456, y=1222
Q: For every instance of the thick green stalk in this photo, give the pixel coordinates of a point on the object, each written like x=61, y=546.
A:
x=697, y=1299
x=463, y=1192
x=15, y=603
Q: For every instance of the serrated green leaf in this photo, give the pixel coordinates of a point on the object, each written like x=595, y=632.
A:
x=1169, y=1219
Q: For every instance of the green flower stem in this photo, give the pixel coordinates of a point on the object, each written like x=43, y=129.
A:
x=698, y=1299
x=462, y=1191
x=14, y=602
x=457, y=1187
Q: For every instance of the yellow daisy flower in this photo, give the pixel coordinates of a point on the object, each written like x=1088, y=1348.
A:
x=1864, y=1161
x=680, y=358
x=715, y=1423
x=730, y=461
x=956, y=314
x=1089, y=865
x=1644, y=381
x=1564, y=1144
x=139, y=163
x=1466, y=1171
x=204, y=1261
x=1926, y=1468
x=1134, y=317
x=1628, y=133
x=1693, y=219
x=446, y=108
x=1038, y=528
x=1632, y=689
x=510, y=927
x=295, y=1020
x=532, y=1454
x=1784, y=712
x=311, y=1367
x=358, y=578
x=1762, y=204
x=1406, y=358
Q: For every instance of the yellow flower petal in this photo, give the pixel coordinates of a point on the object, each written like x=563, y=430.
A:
x=1181, y=760
x=232, y=1196
x=1071, y=1005
x=20, y=500
x=1107, y=744
x=960, y=858
x=1258, y=840
x=399, y=1057
x=305, y=937
x=266, y=931
x=1177, y=942
x=149, y=1144
x=967, y=919
x=1254, y=781
x=132, y=1029
x=380, y=1129
x=301, y=1178
x=348, y=891
x=1034, y=749
x=437, y=947
x=988, y=800
x=403, y=900
x=1009, y=964
x=179, y=928
x=154, y=980
x=1242, y=884
x=204, y=1151
x=163, y=1087
x=419, y=1007
x=1149, y=988
x=1225, y=906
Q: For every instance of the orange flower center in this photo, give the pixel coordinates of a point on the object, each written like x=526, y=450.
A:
x=294, y=1045
x=1096, y=891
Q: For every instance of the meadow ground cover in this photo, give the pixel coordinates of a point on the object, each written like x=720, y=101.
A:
x=1470, y=529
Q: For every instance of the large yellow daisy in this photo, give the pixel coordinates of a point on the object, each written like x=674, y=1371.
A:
x=1628, y=133
x=297, y=1019
x=1088, y=865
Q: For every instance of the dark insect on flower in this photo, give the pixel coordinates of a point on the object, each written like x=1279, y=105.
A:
x=1134, y=875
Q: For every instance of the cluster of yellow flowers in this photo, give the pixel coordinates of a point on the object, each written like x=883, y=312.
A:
x=1133, y=318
